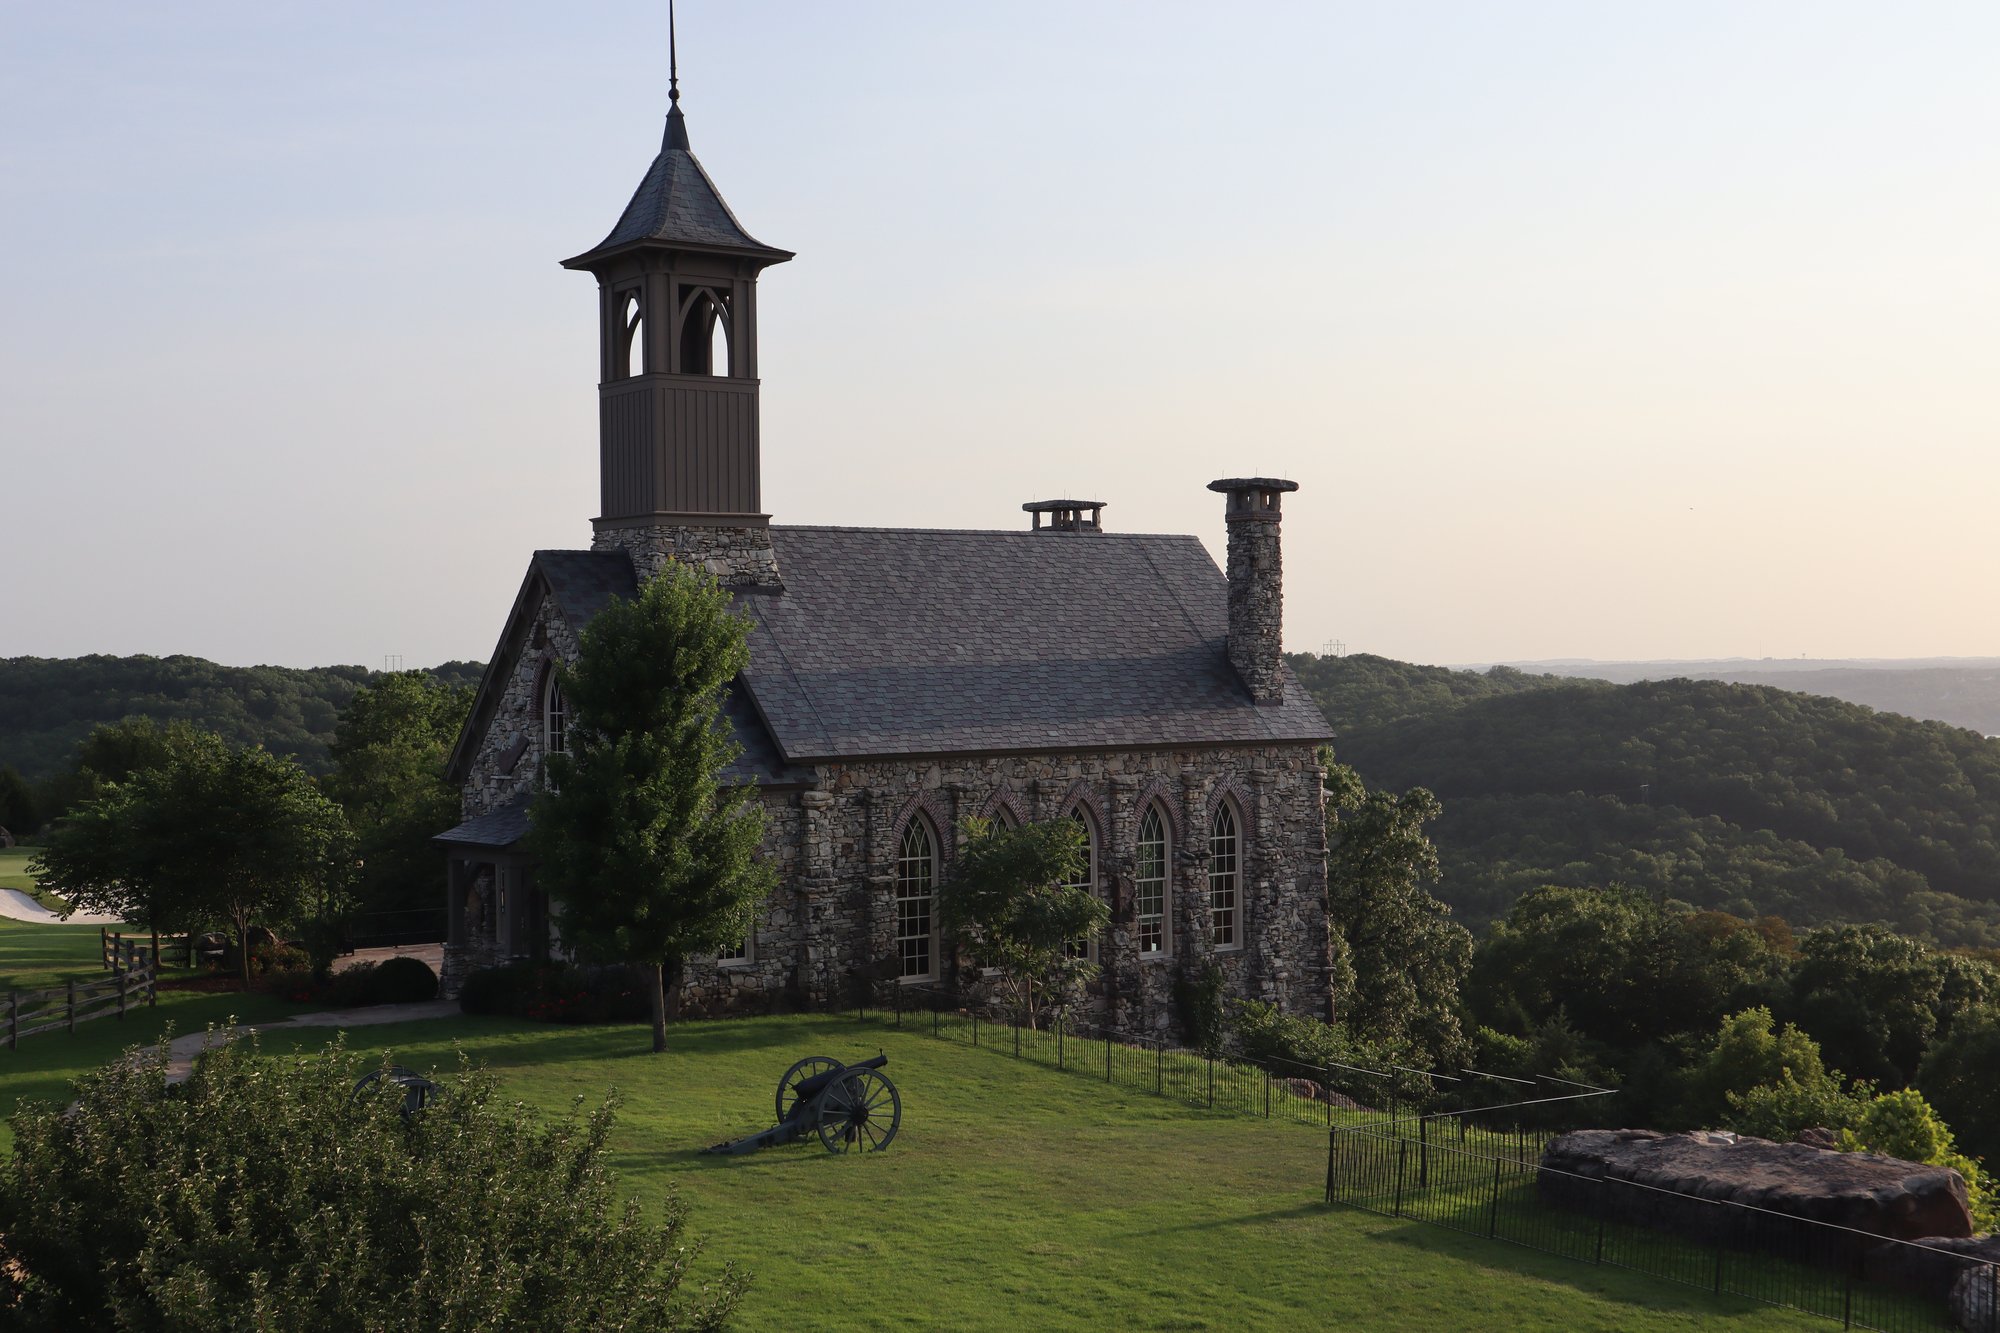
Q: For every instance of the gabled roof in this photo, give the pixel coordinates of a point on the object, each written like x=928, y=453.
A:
x=677, y=204
x=502, y=826
x=892, y=641
x=582, y=584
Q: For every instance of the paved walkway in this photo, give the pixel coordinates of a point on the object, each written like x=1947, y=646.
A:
x=18, y=906
x=181, y=1052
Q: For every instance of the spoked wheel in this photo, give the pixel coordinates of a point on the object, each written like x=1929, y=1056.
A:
x=788, y=1096
x=860, y=1113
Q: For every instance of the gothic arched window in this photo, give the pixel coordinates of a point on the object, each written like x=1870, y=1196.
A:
x=1152, y=897
x=555, y=716
x=1086, y=878
x=916, y=885
x=631, y=335
x=704, y=333
x=1224, y=879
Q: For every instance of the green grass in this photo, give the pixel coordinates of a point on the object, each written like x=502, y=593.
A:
x=1017, y=1196
x=14, y=875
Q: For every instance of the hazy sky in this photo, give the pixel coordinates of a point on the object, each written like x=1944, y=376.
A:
x=1613, y=330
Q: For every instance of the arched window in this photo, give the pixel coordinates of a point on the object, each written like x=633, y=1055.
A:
x=916, y=881
x=1224, y=853
x=555, y=716
x=1151, y=899
x=632, y=345
x=1086, y=878
x=704, y=331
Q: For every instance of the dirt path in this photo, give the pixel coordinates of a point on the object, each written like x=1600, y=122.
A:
x=181, y=1052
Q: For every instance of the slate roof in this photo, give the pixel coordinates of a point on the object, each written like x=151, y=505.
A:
x=910, y=641
x=502, y=826
x=677, y=204
x=890, y=641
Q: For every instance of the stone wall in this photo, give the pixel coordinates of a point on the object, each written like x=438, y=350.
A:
x=509, y=759
x=833, y=915
x=736, y=555
x=834, y=848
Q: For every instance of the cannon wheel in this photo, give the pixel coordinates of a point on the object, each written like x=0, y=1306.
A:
x=860, y=1112
x=788, y=1096
x=418, y=1091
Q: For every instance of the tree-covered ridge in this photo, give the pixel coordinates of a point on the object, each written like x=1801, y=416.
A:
x=1363, y=691
x=1744, y=798
x=48, y=705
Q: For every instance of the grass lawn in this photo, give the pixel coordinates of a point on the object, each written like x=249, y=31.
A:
x=14, y=875
x=1017, y=1196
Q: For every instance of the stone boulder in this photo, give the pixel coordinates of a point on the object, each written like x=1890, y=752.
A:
x=1931, y=1266
x=1824, y=1139
x=1975, y=1300
x=1673, y=1182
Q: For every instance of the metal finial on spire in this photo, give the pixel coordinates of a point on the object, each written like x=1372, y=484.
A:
x=677, y=130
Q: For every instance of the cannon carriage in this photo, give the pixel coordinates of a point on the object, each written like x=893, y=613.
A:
x=852, y=1108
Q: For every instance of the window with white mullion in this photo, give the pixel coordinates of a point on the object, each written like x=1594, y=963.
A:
x=1150, y=896
x=1086, y=878
x=555, y=717
x=1224, y=849
x=916, y=877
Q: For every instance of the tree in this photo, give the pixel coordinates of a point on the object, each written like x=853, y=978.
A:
x=1014, y=902
x=1958, y=1077
x=1771, y=1083
x=261, y=1193
x=1871, y=997
x=1903, y=1125
x=389, y=752
x=241, y=835
x=1407, y=957
x=652, y=859
x=19, y=812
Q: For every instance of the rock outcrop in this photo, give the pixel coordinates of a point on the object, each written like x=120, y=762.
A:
x=1673, y=1181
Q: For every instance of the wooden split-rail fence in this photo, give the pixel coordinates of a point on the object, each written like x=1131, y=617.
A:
x=30, y=1013
x=119, y=951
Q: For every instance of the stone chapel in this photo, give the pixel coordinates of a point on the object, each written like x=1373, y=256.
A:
x=902, y=679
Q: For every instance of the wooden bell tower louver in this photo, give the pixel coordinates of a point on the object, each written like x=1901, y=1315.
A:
x=677, y=327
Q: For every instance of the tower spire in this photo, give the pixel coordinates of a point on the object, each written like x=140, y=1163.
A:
x=677, y=131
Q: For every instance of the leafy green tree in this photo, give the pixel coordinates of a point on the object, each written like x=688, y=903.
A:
x=652, y=859
x=1013, y=903
x=212, y=833
x=1871, y=997
x=1960, y=1076
x=1406, y=957
x=1769, y=1082
x=389, y=752
x=20, y=813
x=1903, y=1125
x=262, y=1194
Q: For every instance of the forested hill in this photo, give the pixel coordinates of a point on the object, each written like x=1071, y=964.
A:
x=49, y=704
x=1740, y=797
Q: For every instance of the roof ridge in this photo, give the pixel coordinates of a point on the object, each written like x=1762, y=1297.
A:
x=1044, y=535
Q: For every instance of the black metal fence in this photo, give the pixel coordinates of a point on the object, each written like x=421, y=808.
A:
x=1499, y=1191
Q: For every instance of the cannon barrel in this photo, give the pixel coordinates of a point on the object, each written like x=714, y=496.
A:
x=808, y=1088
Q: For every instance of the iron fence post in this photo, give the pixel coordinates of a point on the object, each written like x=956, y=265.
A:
x=1159, y=1067
x=1267, y=1094
x=1493, y=1208
x=1211, y=1083
x=1423, y=1152
x=1847, y=1301
x=1402, y=1150
x=1060, y=1025
x=1326, y=1094
x=1107, y=1057
x=1016, y=1023
x=1330, y=1139
x=975, y=1025
x=1718, y=1268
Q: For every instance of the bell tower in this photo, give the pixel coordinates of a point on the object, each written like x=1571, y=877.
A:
x=678, y=463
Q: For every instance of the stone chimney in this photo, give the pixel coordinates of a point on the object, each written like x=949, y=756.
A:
x=1256, y=584
x=1070, y=516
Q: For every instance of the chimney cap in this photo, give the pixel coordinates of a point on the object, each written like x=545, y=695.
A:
x=1228, y=484
x=1056, y=506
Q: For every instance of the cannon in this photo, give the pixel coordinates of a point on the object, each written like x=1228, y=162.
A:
x=851, y=1107
x=418, y=1091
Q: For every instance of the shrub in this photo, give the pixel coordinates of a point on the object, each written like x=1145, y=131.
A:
x=260, y=1193
x=403, y=981
x=560, y=993
x=1290, y=1046
x=1903, y=1125
x=1198, y=995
